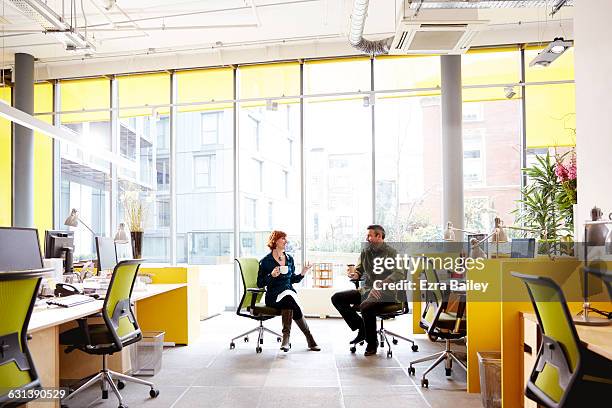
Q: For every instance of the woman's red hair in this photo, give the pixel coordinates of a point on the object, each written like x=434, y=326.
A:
x=275, y=236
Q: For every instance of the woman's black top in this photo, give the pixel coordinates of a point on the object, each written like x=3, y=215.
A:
x=275, y=286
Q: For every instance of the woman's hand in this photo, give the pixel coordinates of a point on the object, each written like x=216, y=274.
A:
x=275, y=272
x=306, y=268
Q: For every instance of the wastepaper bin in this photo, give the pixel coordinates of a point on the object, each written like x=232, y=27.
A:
x=489, y=363
x=147, y=354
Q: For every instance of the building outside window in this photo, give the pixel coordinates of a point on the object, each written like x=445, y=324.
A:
x=203, y=171
x=210, y=127
x=473, y=157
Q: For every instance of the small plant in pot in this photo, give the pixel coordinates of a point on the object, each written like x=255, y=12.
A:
x=135, y=216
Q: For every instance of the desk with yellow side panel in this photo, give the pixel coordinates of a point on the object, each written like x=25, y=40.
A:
x=494, y=317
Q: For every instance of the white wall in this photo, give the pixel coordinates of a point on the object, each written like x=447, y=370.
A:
x=593, y=64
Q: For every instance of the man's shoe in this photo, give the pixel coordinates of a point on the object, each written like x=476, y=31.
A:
x=360, y=337
x=371, y=350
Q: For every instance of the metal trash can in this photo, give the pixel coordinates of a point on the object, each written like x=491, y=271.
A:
x=146, y=356
x=489, y=363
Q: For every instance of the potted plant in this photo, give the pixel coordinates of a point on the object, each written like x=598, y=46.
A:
x=547, y=202
x=135, y=214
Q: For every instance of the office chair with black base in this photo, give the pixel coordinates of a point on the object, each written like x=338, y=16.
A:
x=18, y=292
x=390, y=311
x=441, y=323
x=566, y=373
x=119, y=330
x=250, y=306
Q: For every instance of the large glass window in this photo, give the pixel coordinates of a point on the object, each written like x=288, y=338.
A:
x=408, y=147
x=205, y=178
x=269, y=173
x=338, y=163
x=144, y=135
x=492, y=133
x=84, y=178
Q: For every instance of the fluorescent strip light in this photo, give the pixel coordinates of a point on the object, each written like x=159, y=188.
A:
x=17, y=116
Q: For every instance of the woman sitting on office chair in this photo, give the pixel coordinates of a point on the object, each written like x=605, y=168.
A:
x=277, y=274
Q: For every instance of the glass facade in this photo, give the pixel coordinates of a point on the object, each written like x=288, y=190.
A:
x=322, y=148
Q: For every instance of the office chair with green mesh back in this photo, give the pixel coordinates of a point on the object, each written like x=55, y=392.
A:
x=18, y=292
x=566, y=374
x=249, y=305
x=119, y=330
x=439, y=322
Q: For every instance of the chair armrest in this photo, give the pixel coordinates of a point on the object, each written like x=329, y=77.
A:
x=256, y=290
x=254, y=293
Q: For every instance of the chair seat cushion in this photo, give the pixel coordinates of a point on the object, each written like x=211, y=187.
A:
x=98, y=333
x=262, y=309
x=448, y=320
x=391, y=310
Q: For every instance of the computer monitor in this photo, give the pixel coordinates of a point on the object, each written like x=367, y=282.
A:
x=522, y=248
x=60, y=244
x=19, y=249
x=107, y=255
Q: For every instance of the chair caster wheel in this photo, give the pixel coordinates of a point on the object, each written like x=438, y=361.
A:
x=154, y=393
x=415, y=347
x=232, y=345
x=389, y=354
x=425, y=383
x=395, y=341
x=411, y=371
x=361, y=343
x=246, y=339
x=120, y=384
x=278, y=339
x=353, y=349
x=123, y=406
x=448, y=372
x=258, y=350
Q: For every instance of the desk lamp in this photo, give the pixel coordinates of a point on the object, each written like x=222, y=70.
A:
x=583, y=318
x=449, y=232
x=73, y=220
x=121, y=235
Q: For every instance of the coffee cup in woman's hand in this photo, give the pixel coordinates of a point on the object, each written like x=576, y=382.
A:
x=275, y=272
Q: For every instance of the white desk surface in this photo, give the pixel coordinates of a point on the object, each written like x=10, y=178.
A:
x=56, y=315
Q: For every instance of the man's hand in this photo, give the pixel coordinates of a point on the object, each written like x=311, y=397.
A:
x=275, y=272
x=375, y=294
x=353, y=274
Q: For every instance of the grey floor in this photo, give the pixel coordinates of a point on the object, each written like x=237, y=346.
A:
x=209, y=374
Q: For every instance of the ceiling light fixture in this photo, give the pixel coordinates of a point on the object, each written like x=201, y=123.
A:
x=553, y=51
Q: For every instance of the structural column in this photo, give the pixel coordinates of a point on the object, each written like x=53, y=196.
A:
x=23, y=144
x=452, y=141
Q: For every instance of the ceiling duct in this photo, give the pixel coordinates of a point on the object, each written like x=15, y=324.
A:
x=426, y=26
x=53, y=24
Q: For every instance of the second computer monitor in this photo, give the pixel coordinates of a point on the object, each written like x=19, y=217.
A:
x=19, y=249
x=107, y=255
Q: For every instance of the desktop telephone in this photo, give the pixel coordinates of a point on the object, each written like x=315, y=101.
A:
x=65, y=289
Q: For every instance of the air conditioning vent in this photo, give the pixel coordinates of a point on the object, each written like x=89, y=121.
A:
x=449, y=33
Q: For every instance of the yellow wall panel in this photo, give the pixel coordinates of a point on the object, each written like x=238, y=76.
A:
x=145, y=89
x=551, y=115
x=406, y=72
x=6, y=189
x=205, y=85
x=269, y=80
x=337, y=75
x=80, y=94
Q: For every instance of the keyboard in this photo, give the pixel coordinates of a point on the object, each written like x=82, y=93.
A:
x=69, y=301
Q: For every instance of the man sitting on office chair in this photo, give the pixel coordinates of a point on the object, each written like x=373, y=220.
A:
x=369, y=300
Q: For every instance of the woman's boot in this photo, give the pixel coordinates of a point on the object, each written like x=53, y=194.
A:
x=287, y=317
x=312, y=344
